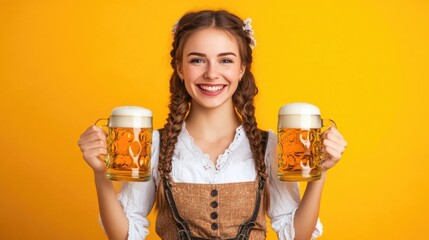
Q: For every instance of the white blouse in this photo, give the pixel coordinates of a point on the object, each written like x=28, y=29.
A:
x=190, y=164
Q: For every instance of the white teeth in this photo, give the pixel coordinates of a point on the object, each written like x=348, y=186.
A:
x=211, y=88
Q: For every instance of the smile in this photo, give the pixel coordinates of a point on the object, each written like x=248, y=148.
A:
x=211, y=88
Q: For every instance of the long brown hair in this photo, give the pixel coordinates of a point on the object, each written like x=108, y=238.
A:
x=180, y=100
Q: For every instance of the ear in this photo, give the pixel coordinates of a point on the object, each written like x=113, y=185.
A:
x=179, y=70
x=242, y=71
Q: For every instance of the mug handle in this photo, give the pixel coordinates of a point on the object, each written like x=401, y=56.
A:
x=326, y=124
x=99, y=123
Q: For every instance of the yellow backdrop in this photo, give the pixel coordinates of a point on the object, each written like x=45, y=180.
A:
x=63, y=64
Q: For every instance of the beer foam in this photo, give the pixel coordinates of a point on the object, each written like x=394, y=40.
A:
x=132, y=111
x=299, y=115
x=300, y=121
x=131, y=117
x=299, y=108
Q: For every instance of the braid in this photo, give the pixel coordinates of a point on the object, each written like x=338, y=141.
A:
x=180, y=100
x=243, y=101
x=179, y=107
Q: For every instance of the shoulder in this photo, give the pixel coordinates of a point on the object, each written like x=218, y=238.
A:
x=271, y=144
x=269, y=141
x=268, y=135
x=155, y=155
x=156, y=135
x=272, y=136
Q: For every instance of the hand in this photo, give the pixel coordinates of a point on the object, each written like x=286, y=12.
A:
x=93, y=146
x=333, y=147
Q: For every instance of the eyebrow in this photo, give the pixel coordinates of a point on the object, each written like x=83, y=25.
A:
x=203, y=55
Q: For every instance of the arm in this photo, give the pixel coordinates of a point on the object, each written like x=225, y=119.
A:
x=129, y=213
x=308, y=210
x=123, y=216
x=291, y=217
x=284, y=196
x=112, y=215
x=93, y=144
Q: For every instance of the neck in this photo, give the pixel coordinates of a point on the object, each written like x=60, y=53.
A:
x=217, y=121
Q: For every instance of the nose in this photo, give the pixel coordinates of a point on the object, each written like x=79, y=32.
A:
x=211, y=71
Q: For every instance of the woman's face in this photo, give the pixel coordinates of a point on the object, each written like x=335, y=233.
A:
x=211, y=67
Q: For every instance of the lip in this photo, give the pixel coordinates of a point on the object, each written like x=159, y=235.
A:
x=211, y=89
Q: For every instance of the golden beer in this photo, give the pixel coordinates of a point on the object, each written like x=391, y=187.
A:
x=129, y=144
x=129, y=154
x=299, y=143
x=299, y=154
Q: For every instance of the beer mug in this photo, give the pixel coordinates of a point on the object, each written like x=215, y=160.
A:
x=299, y=142
x=129, y=143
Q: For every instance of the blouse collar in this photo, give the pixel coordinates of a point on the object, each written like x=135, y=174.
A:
x=222, y=158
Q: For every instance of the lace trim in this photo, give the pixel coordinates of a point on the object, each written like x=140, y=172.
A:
x=222, y=159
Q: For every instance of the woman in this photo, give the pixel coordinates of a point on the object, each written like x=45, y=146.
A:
x=213, y=175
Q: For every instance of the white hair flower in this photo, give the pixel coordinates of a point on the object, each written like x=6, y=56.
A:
x=247, y=28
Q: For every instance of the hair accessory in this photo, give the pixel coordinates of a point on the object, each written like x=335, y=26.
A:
x=247, y=28
x=174, y=29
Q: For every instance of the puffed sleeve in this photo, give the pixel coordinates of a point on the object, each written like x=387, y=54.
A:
x=137, y=198
x=284, y=197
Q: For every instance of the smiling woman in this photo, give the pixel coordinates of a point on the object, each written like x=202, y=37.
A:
x=212, y=166
x=63, y=64
x=211, y=66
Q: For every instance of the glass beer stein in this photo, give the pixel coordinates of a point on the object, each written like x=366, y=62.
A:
x=299, y=142
x=129, y=143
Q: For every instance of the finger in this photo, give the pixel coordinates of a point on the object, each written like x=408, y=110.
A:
x=99, y=129
x=93, y=145
x=331, y=132
x=335, y=155
x=334, y=135
x=93, y=129
x=94, y=153
x=338, y=146
x=91, y=136
x=89, y=130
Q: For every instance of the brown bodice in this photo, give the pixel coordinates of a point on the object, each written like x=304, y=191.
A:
x=213, y=211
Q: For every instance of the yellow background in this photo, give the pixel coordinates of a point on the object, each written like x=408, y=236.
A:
x=63, y=64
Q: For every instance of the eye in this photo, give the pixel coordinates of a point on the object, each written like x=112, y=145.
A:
x=196, y=60
x=227, y=60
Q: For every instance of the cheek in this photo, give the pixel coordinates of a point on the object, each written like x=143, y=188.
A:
x=234, y=75
x=190, y=73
